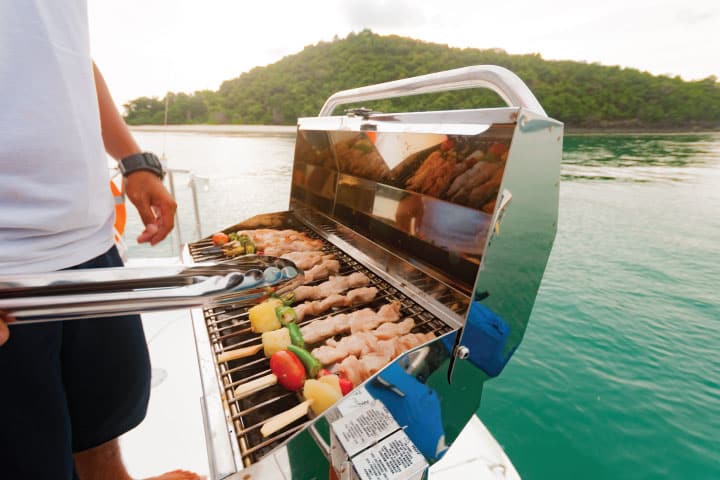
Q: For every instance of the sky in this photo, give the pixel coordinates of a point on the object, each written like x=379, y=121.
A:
x=149, y=47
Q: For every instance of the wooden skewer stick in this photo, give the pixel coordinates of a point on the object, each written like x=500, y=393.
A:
x=239, y=353
x=282, y=420
x=254, y=386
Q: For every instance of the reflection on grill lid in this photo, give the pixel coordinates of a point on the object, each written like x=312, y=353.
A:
x=426, y=190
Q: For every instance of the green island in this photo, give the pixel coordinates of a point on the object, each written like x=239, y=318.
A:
x=584, y=96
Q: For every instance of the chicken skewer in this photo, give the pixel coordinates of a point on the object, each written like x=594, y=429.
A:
x=271, y=242
x=357, y=370
x=336, y=284
x=335, y=350
x=362, y=342
x=322, y=270
x=388, y=313
x=308, y=259
x=357, y=321
x=352, y=297
x=266, y=237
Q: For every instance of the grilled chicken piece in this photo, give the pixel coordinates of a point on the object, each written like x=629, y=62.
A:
x=316, y=307
x=334, y=351
x=307, y=260
x=318, y=330
x=392, y=330
x=352, y=369
x=373, y=363
x=387, y=313
x=361, y=295
x=334, y=285
x=357, y=370
x=322, y=270
x=353, y=297
x=321, y=329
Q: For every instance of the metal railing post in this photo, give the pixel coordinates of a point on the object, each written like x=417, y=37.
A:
x=196, y=207
x=171, y=181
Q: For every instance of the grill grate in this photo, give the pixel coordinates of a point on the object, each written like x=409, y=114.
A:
x=229, y=328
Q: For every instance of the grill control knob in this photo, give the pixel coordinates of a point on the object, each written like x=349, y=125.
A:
x=462, y=352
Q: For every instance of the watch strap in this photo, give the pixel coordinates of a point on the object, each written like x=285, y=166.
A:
x=141, y=161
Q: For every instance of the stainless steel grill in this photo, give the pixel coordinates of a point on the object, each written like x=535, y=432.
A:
x=415, y=202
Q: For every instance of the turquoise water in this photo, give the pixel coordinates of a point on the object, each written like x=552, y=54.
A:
x=619, y=372
x=618, y=375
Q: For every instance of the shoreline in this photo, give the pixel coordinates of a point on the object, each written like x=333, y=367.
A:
x=639, y=131
x=284, y=130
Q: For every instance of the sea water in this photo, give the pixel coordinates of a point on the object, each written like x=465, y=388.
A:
x=618, y=375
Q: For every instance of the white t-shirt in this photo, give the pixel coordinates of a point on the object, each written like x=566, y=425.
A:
x=56, y=209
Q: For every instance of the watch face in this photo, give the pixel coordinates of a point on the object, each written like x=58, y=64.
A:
x=153, y=161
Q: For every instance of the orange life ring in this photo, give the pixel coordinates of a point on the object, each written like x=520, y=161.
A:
x=120, y=212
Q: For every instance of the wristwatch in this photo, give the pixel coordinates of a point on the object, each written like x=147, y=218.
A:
x=141, y=161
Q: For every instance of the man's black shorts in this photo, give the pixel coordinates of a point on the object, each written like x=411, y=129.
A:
x=69, y=386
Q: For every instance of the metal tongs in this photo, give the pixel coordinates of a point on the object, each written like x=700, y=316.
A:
x=103, y=292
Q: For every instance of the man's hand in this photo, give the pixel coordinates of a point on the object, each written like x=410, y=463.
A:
x=154, y=204
x=4, y=330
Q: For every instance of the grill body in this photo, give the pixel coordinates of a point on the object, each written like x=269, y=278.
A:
x=415, y=201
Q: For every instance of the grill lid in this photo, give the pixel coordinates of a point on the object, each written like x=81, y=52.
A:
x=433, y=188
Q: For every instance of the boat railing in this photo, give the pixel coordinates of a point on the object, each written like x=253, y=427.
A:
x=194, y=183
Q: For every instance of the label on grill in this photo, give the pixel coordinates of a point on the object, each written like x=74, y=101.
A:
x=354, y=400
x=395, y=458
x=358, y=398
x=364, y=427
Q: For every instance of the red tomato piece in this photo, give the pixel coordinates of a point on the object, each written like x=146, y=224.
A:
x=220, y=238
x=346, y=386
x=288, y=369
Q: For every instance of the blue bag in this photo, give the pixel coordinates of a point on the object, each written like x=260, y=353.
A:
x=485, y=334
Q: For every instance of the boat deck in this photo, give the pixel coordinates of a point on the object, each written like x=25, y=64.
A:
x=172, y=434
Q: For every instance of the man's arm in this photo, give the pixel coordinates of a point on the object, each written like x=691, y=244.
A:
x=144, y=189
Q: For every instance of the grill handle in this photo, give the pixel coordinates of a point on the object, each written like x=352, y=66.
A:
x=498, y=79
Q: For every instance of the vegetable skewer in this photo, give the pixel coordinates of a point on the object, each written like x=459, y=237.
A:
x=322, y=393
x=364, y=293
